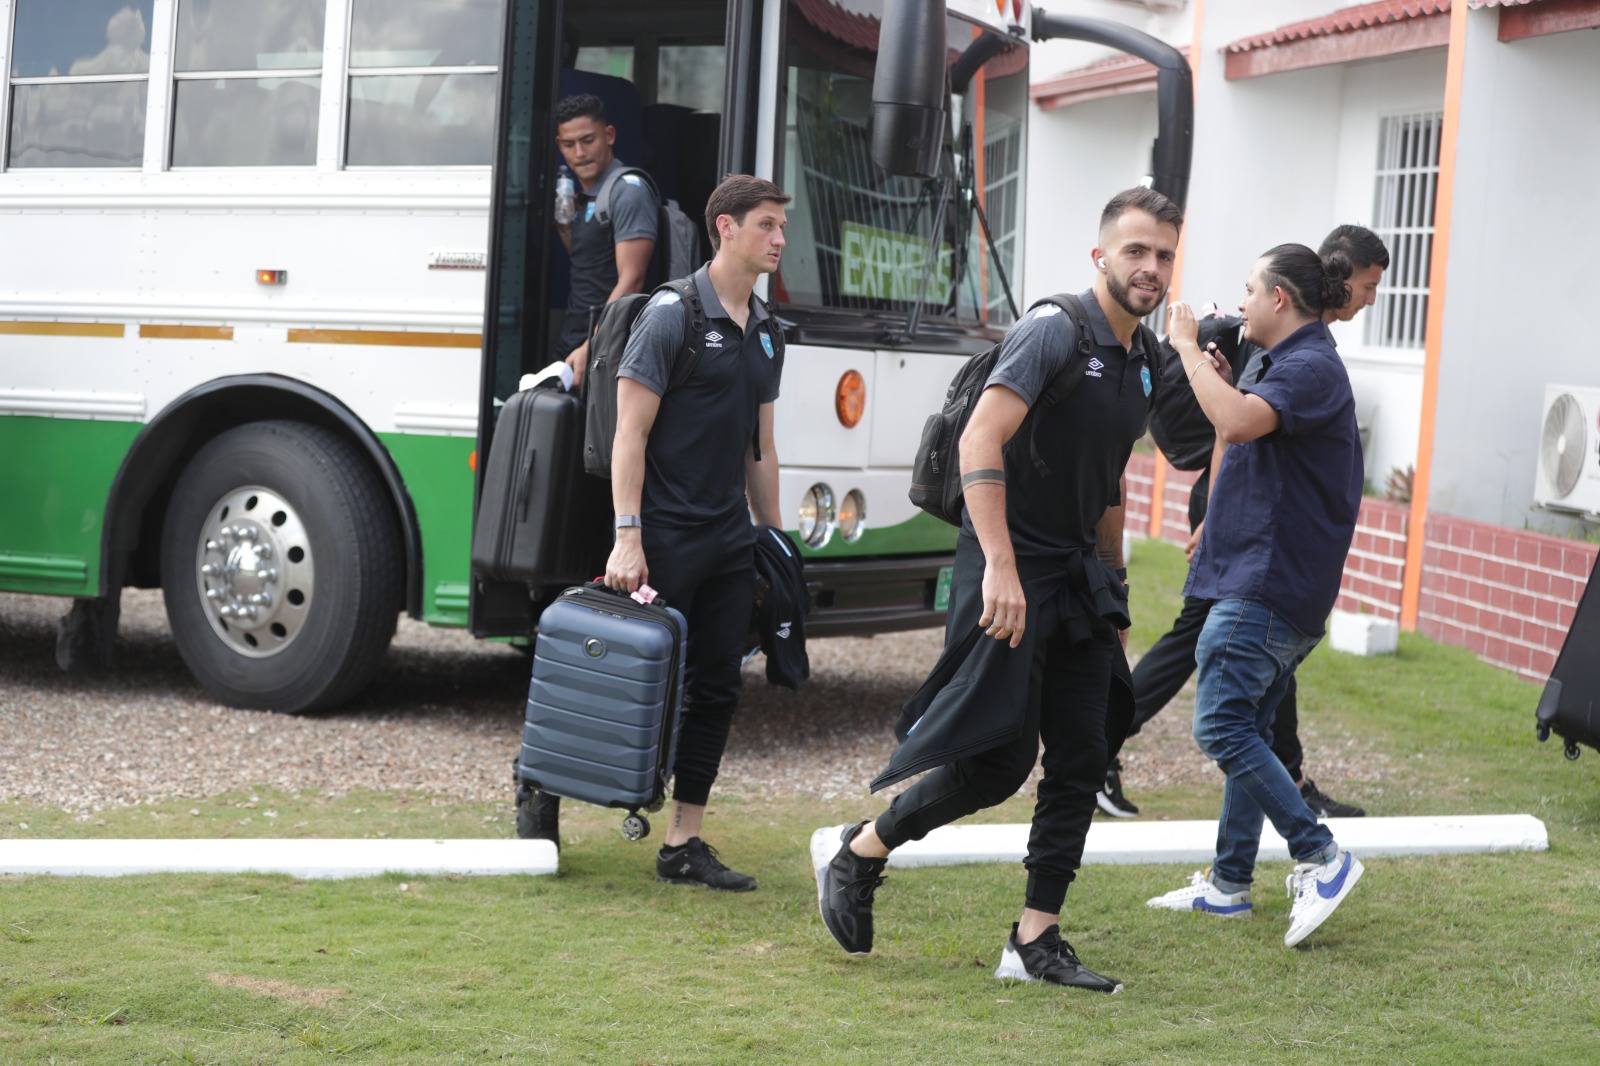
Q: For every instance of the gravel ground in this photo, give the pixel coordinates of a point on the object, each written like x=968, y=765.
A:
x=444, y=719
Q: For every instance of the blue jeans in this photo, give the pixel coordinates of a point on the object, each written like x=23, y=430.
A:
x=1247, y=655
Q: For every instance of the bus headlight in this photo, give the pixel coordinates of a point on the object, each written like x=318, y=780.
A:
x=853, y=516
x=816, y=516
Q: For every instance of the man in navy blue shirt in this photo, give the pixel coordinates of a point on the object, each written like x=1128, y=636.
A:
x=1271, y=556
x=1169, y=663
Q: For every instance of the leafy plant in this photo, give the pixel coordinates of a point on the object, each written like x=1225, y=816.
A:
x=1397, y=486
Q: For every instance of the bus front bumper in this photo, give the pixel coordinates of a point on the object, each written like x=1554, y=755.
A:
x=858, y=597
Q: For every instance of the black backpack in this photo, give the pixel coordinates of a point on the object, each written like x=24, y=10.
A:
x=936, y=470
x=610, y=339
x=1181, y=430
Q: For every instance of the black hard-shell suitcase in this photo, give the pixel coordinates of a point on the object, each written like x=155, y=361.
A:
x=540, y=520
x=1570, y=704
x=603, y=705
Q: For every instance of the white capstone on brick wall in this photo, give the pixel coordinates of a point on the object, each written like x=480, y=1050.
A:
x=1363, y=634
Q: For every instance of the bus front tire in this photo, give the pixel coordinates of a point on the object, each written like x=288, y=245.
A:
x=281, y=567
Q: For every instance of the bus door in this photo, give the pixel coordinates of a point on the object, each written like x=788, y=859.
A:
x=662, y=72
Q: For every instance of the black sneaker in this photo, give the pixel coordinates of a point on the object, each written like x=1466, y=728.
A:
x=1111, y=799
x=1325, y=806
x=696, y=863
x=845, y=884
x=1052, y=960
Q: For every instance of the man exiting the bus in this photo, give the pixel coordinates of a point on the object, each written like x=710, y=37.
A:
x=1032, y=648
x=611, y=254
x=688, y=468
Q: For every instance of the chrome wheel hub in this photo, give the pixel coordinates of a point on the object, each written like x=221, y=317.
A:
x=254, y=571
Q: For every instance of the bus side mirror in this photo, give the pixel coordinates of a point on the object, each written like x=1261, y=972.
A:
x=908, y=88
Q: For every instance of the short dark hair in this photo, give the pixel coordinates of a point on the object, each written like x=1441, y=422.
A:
x=582, y=105
x=1357, y=244
x=1314, y=284
x=1149, y=201
x=737, y=194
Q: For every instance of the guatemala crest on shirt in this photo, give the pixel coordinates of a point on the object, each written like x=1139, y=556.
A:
x=1144, y=379
x=766, y=345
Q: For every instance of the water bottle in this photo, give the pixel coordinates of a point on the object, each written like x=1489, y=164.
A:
x=566, y=199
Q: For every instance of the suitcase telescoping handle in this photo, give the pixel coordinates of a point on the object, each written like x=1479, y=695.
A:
x=599, y=584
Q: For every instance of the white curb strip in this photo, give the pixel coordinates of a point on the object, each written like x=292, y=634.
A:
x=1196, y=842
x=297, y=858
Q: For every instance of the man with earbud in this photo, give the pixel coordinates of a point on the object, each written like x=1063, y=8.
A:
x=1032, y=650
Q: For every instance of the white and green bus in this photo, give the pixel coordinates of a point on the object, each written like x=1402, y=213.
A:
x=271, y=266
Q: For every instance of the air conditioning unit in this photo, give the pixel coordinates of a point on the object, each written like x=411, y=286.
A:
x=1569, y=450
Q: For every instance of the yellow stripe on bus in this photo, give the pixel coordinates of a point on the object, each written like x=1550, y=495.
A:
x=388, y=337
x=65, y=329
x=193, y=333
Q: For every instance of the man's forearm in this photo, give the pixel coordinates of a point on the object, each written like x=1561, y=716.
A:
x=1108, y=537
x=627, y=472
x=761, y=488
x=983, y=487
x=1219, y=448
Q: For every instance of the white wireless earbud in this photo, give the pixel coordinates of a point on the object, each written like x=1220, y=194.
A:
x=1102, y=262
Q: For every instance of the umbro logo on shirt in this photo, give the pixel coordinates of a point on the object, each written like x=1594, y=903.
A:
x=1095, y=366
x=714, y=339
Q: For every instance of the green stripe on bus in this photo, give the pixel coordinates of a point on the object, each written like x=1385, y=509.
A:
x=439, y=482
x=57, y=479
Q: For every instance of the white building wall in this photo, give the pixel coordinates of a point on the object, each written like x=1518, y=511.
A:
x=1284, y=157
x=1078, y=158
x=1526, y=220
x=1387, y=381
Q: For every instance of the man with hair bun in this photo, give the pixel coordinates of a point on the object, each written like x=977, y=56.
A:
x=1270, y=557
x=1167, y=666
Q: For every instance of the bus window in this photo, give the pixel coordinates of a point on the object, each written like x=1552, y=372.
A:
x=423, y=83
x=614, y=61
x=691, y=75
x=422, y=119
x=57, y=118
x=248, y=82
x=858, y=239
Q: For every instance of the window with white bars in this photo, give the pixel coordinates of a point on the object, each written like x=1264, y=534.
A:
x=1403, y=209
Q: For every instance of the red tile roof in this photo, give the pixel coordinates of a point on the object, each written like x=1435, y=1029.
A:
x=1360, y=17
x=1112, y=76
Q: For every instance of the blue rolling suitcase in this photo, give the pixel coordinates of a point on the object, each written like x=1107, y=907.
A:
x=603, y=703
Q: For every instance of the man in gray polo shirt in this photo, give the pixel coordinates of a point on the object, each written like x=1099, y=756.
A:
x=689, y=466
x=611, y=252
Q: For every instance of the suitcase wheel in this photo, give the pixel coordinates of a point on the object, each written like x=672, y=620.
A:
x=538, y=815
x=1571, y=752
x=635, y=826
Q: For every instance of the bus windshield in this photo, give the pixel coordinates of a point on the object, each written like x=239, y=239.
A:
x=857, y=238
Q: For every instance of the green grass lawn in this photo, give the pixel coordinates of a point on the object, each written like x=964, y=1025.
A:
x=1469, y=959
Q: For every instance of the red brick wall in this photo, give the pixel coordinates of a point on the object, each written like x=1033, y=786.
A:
x=1507, y=595
x=1375, y=567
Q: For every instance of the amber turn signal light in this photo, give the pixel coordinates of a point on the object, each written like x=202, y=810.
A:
x=850, y=399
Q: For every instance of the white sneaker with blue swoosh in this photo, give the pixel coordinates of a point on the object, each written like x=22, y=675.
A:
x=1201, y=895
x=1317, y=890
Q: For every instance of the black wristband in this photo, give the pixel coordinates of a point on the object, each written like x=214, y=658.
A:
x=1122, y=574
